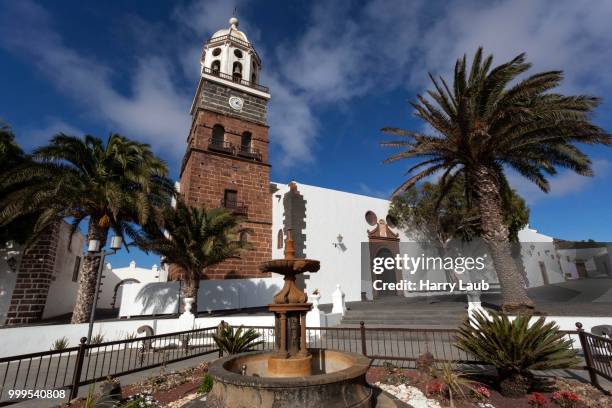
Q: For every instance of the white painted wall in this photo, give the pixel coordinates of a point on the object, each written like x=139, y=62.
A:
x=63, y=289
x=163, y=297
x=113, y=276
x=329, y=213
x=31, y=339
x=535, y=248
x=10, y=258
x=596, y=261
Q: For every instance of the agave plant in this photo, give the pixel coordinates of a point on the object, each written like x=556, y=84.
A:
x=236, y=341
x=516, y=347
x=456, y=383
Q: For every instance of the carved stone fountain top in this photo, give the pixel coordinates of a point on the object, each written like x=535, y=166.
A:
x=289, y=268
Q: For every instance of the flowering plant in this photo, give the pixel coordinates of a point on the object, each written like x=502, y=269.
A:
x=435, y=387
x=481, y=393
x=565, y=399
x=537, y=400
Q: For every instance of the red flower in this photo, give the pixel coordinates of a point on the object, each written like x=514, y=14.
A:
x=565, y=398
x=537, y=400
x=435, y=387
x=481, y=392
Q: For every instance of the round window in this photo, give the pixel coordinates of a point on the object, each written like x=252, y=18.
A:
x=371, y=218
x=390, y=222
x=216, y=51
x=238, y=53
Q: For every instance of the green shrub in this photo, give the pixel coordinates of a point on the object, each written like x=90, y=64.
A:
x=516, y=347
x=60, y=344
x=97, y=339
x=236, y=341
x=206, y=386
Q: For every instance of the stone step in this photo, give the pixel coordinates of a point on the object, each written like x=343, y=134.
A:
x=400, y=315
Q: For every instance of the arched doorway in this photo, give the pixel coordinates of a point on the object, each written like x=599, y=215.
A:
x=383, y=243
x=117, y=287
x=389, y=275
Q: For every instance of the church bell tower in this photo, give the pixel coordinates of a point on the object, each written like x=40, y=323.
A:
x=226, y=162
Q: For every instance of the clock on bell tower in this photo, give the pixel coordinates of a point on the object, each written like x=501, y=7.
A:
x=226, y=162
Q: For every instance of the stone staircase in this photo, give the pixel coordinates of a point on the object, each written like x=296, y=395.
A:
x=424, y=312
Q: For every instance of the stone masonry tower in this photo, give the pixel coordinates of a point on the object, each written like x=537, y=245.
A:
x=226, y=162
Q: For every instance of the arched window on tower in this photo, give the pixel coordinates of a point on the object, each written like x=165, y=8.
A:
x=215, y=67
x=254, y=73
x=279, y=239
x=218, y=136
x=237, y=72
x=245, y=142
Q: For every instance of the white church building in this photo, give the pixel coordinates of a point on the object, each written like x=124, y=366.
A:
x=227, y=164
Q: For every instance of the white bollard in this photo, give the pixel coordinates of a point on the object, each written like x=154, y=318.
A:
x=338, y=301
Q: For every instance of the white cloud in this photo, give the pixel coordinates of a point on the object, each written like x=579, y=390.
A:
x=155, y=111
x=38, y=136
x=344, y=52
x=563, y=184
x=571, y=35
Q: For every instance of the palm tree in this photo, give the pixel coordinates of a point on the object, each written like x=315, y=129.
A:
x=12, y=156
x=193, y=239
x=490, y=121
x=114, y=185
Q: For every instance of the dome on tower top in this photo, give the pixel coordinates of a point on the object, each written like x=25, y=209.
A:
x=232, y=30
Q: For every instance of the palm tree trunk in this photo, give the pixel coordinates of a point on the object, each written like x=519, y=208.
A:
x=190, y=290
x=89, y=274
x=495, y=233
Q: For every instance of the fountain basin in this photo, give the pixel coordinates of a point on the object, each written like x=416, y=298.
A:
x=337, y=380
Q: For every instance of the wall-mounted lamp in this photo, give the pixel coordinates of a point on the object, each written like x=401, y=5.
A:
x=338, y=242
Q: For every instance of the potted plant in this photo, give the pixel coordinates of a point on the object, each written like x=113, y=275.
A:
x=515, y=348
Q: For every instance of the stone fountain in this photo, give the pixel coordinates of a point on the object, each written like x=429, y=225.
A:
x=292, y=375
x=291, y=358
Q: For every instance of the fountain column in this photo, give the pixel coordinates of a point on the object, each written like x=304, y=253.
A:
x=303, y=350
x=291, y=358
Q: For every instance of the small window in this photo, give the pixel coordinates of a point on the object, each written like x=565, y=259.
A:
x=218, y=135
x=230, y=198
x=371, y=217
x=215, y=67
x=216, y=52
x=77, y=267
x=244, y=237
x=279, y=239
x=245, y=141
x=238, y=53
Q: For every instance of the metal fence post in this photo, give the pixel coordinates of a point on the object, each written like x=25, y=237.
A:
x=588, y=357
x=78, y=369
x=364, y=351
x=219, y=328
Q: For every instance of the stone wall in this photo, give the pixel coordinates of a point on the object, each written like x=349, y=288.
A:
x=206, y=175
x=215, y=97
x=34, y=279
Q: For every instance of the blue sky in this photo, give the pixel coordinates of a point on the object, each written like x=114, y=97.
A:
x=338, y=72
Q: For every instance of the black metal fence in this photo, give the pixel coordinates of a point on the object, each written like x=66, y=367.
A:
x=597, y=355
x=400, y=345
x=64, y=371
